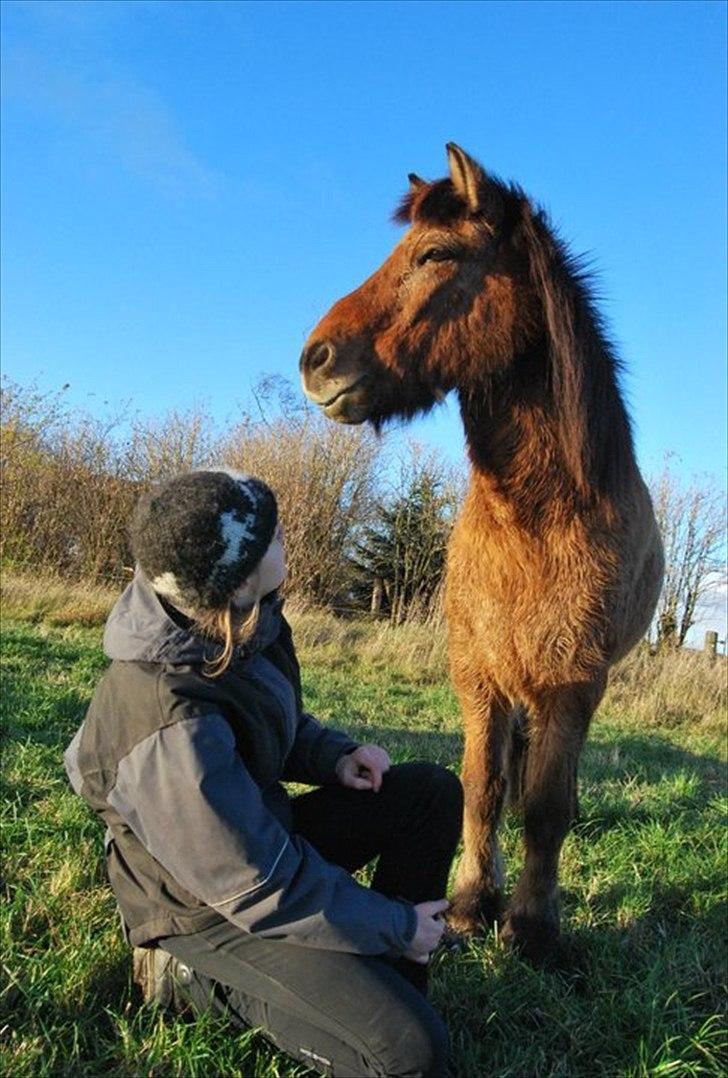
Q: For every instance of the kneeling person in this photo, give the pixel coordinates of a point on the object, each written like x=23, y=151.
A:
x=235, y=895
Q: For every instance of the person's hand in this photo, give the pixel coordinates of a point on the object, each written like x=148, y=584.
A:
x=363, y=768
x=430, y=928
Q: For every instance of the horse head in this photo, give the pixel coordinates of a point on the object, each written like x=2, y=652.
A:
x=449, y=305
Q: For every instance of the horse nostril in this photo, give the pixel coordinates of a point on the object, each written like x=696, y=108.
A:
x=316, y=356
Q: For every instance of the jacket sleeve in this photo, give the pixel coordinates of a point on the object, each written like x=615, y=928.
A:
x=317, y=748
x=315, y=752
x=187, y=796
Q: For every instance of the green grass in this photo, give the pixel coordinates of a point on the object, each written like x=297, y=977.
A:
x=643, y=879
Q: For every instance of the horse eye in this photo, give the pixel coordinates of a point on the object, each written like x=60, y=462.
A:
x=434, y=254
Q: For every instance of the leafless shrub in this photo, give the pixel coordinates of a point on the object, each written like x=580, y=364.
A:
x=177, y=442
x=65, y=499
x=692, y=520
x=70, y=479
x=323, y=476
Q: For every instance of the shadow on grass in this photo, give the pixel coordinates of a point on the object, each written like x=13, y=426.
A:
x=50, y=724
x=650, y=759
x=39, y=703
x=404, y=745
x=621, y=1001
x=646, y=756
x=41, y=651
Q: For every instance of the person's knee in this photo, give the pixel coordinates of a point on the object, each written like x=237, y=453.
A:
x=446, y=789
x=430, y=797
x=451, y=786
x=426, y=775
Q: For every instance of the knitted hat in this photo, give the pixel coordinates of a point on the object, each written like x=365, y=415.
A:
x=198, y=536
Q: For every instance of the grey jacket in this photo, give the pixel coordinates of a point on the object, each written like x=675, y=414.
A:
x=186, y=771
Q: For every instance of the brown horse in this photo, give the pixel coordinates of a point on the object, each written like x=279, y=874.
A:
x=555, y=562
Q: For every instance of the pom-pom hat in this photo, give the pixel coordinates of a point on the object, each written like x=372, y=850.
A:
x=198, y=536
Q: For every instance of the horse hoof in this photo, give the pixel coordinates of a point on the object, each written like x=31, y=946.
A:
x=473, y=914
x=452, y=942
x=533, y=938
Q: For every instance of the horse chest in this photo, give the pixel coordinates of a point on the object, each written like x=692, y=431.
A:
x=532, y=616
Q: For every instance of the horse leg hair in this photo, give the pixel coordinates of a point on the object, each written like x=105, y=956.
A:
x=478, y=891
x=517, y=757
x=558, y=729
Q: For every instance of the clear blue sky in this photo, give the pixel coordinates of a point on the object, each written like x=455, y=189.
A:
x=188, y=186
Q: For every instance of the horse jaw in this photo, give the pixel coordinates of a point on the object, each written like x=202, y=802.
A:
x=340, y=400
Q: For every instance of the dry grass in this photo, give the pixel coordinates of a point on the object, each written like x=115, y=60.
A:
x=43, y=597
x=666, y=689
x=670, y=688
x=417, y=650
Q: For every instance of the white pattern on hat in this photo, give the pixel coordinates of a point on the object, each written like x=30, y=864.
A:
x=166, y=584
x=241, y=478
x=234, y=533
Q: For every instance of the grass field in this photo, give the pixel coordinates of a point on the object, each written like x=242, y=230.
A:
x=643, y=879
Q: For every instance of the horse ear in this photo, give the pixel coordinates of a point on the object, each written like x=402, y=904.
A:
x=416, y=181
x=467, y=177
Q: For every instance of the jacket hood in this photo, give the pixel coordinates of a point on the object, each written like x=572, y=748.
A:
x=141, y=629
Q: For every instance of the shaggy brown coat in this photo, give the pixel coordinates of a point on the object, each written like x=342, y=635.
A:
x=555, y=562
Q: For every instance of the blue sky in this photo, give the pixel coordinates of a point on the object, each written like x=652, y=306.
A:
x=188, y=186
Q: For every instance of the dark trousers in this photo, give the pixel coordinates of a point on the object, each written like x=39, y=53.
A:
x=344, y=1014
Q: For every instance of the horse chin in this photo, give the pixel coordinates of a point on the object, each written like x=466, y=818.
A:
x=346, y=410
x=352, y=406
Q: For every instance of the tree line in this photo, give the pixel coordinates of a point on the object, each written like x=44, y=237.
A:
x=365, y=531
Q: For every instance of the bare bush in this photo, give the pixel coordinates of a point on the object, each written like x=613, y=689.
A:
x=323, y=476
x=180, y=441
x=65, y=499
x=70, y=480
x=692, y=520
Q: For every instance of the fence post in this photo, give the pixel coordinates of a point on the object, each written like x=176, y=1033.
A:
x=710, y=647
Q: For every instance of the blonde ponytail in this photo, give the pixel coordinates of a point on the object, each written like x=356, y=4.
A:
x=228, y=626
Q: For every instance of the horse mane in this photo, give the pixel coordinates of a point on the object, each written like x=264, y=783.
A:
x=583, y=367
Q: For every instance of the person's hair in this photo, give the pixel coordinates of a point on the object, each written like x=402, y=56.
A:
x=229, y=626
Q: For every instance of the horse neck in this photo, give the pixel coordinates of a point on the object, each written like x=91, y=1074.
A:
x=514, y=432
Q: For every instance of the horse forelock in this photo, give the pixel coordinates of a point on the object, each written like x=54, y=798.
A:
x=438, y=203
x=433, y=203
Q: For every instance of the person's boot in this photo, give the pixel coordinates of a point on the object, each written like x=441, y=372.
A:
x=161, y=977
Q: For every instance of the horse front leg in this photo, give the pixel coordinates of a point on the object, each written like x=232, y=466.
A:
x=478, y=898
x=558, y=728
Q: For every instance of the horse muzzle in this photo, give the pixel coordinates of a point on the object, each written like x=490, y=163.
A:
x=336, y=384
